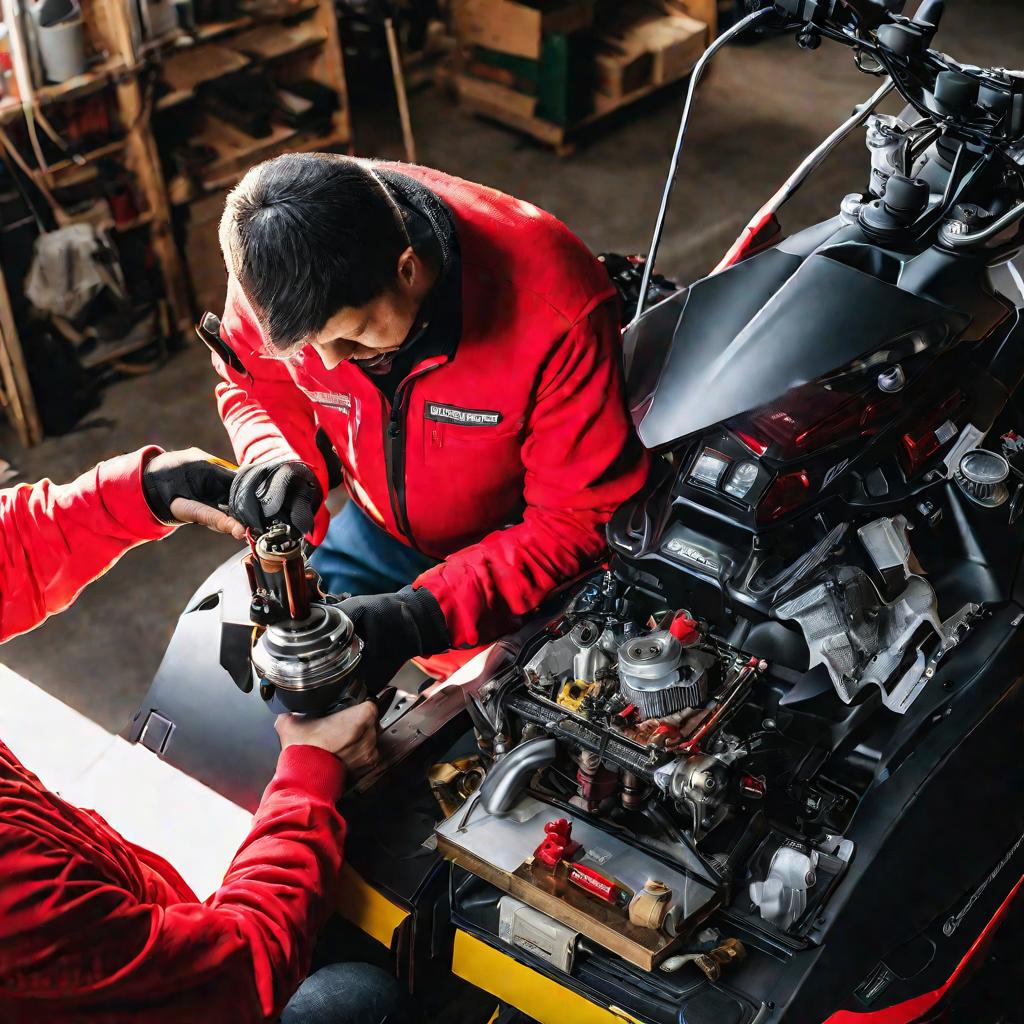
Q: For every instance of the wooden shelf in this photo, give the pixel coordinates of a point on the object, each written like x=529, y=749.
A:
x=225, y=171
x=251, y=56
x=304, y=31
x=83, y=161
x=9, y=109
x=264, y=45
x=189, y=69
x=91, y=81
x=215, y=30
x=111, y=351
x=237, y=150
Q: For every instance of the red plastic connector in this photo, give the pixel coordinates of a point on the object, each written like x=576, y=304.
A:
x=558, y=843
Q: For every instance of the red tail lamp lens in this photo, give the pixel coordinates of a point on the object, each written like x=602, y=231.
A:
x=789, y=491
x=926, y=437
x=755, y=444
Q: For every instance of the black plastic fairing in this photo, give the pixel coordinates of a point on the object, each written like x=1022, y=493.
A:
x=747, y=336
x=725, y=302
x=221, y=736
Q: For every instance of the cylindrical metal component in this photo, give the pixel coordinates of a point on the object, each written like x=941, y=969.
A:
x=282, y=570
x=654, y=677
x=310, y=664
x=632, y=791
x=649, y=906
x=589, y=661
x=982, y=475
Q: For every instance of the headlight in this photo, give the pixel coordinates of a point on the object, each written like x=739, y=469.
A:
x=742, y=478
x=709, y=468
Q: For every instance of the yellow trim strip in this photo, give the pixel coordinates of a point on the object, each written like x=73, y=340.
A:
x=526, y=989
x=367, y=909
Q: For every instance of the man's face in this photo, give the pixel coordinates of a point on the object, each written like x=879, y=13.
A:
x=370, y=335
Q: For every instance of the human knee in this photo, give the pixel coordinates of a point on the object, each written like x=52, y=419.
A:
x=348, y=993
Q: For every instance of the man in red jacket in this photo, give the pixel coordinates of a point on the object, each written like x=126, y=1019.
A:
x=456, y=351
x=94, y=929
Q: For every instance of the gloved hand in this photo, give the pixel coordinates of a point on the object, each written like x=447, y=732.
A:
x=191, y=486
x=276, y=491
x=395, y=628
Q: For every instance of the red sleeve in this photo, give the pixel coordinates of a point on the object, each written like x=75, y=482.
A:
x=266, y=415
x=582, y=461
x=57, y=538
x=76, y=939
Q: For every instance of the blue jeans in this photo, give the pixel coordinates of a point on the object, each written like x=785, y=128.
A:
x=358, y=557
x=348, y=994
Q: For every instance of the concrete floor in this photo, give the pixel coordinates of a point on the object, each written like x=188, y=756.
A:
x=762, y=108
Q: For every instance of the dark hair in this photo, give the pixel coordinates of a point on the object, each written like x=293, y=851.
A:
x=308, y=234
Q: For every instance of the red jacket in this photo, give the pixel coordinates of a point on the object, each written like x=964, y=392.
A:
x=92, y=928
x=506, y=459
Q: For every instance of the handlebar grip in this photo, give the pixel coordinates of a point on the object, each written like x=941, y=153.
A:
x=930, y=13
x=869, y=13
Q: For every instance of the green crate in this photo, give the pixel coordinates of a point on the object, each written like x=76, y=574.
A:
x=561, y=79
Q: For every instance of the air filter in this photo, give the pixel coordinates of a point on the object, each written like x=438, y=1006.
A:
x=653, y=676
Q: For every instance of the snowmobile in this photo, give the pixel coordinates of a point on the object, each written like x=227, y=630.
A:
x=764, y=764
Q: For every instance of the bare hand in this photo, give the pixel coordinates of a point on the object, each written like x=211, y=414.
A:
x=351, y=735
x=188, y=510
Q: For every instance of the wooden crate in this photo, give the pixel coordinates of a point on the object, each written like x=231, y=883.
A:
x=517, y=28
x=620, y=68
x=643, y=46
x=495, y=100
x=677, y=42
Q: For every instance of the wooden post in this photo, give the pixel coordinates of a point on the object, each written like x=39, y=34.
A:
x=329, y=67
x=21, y=402
x=398, y=75
x=144, y=160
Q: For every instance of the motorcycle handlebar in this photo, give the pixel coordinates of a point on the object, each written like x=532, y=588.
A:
x=984, y=104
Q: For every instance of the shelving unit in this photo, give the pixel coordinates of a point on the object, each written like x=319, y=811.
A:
x=294, y=41
x=297, y=39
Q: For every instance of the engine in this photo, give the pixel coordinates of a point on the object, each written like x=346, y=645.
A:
x=640, y=711
x=634, y=750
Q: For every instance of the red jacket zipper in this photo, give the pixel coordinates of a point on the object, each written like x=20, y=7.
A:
x=394, y=449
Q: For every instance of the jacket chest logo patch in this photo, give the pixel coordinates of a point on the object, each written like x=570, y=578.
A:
x=332, y=399
x=464, y=417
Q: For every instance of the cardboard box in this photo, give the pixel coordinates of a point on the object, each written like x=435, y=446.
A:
x=517, y=28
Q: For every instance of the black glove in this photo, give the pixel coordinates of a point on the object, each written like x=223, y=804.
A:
x=395, y=628
x=191, y=474
x=276, y=492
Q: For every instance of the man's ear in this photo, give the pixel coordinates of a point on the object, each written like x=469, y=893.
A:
x=408, y=267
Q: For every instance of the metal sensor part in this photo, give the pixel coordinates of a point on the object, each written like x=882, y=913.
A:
x=307, y=654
